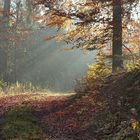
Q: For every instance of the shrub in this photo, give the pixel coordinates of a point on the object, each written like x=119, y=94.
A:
x=130, y=66
x=95, y=73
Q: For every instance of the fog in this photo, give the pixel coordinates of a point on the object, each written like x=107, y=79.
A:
x=50, y=65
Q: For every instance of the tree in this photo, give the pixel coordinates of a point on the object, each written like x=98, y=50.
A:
x=15, y=25
x=5, y=42
x=95, y=23
x=117, y=35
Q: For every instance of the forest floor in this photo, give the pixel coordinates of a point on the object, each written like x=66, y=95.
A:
x=108, y=109
x=18, y=112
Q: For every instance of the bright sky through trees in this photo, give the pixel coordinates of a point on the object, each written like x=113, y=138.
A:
x=78, y=1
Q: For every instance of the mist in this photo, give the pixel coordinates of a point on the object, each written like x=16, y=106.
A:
x=49, y=64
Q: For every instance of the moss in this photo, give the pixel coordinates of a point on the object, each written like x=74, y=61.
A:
x=21, y=125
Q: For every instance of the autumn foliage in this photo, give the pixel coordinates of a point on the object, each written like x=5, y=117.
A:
x=108, y=108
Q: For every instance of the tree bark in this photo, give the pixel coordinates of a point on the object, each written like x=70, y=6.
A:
x=117, y=63
x=5, y=39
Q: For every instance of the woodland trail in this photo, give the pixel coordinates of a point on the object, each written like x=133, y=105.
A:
x=38, y=104
x=9, y=101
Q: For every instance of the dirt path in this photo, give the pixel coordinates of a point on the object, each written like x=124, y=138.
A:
x=35, y=101
x=38, y=104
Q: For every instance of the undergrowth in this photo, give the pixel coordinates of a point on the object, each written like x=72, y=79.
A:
x=21, y=125
x=21, y=88
x=121, y=92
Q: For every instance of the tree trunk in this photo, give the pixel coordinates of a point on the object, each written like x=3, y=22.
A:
x=117, y=63
x=29, y=13
x=5, y=39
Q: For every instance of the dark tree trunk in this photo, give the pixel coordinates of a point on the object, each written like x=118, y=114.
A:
x=5, y=39
x=117, y=36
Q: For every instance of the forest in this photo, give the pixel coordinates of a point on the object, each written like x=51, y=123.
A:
x=69, y=69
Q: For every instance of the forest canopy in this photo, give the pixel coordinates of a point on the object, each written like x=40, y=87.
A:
x=95, y=24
